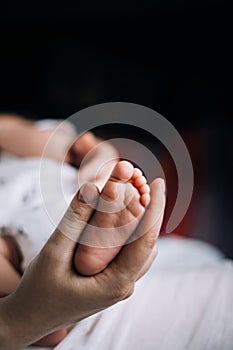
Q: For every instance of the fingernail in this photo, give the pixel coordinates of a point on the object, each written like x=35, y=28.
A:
x=88, y=194
x=162, y=185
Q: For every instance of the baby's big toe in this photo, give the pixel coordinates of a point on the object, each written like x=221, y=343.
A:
x=123, y=171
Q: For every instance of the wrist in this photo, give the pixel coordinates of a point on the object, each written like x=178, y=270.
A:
x=6, y=335
x=16, y=331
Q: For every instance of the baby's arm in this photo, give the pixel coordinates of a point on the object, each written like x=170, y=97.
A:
x=20, y=137
x=14, y=132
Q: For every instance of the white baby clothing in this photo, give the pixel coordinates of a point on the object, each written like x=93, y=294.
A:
x=34, y=195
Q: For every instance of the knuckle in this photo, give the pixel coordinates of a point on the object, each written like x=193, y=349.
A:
x=123, y=290
x=150, y=241
x=129, y=292
x=77, y=212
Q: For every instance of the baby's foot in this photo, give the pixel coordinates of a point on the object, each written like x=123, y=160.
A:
x=60, y=142
x=52, y=339
x=121, y=205
x=80, y=148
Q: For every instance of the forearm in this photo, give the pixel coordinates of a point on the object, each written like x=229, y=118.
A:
x=18, y=328
x=7, y=340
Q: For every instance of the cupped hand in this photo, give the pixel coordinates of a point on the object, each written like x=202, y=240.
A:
x=52, y=295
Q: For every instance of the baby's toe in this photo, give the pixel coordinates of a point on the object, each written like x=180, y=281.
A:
x=136, y=173
x=140, y=181
x=145, y=199
x=123, y=171
x=144, y=189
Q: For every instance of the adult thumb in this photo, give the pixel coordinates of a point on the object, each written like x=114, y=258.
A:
x=63, y=241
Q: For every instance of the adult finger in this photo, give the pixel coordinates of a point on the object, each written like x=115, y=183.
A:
x=148, y=263
x=63, y=241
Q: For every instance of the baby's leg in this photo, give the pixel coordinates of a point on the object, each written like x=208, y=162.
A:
x=25, y=138
x=10, y=249
x=121, y=205
x=9, y=277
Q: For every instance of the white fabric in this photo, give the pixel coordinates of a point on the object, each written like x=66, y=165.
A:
x=22, y=205
x=175, y=308
x=34, y=194
x=180, y=304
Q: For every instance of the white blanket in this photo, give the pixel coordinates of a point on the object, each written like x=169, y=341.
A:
x=33, y=199
x=182, y=303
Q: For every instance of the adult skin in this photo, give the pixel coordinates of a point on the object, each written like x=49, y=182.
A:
x=51, y=295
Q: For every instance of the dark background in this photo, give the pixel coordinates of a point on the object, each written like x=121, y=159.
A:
x=172, y=56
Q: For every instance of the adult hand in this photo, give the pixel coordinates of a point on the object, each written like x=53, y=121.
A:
x=51, y=295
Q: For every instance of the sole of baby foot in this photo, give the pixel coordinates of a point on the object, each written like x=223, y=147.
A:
x=121, y=205
x=52, y=339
